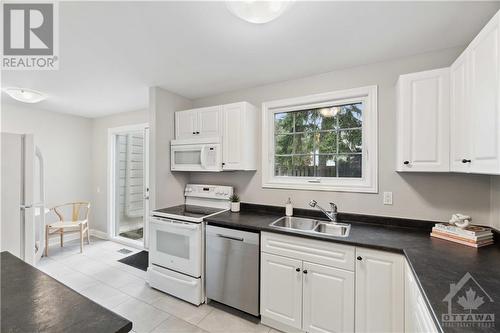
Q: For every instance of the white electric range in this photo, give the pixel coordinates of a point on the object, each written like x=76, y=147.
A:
x=177, y=241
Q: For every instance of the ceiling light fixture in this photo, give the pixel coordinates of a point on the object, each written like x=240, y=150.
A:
x=25, y=95
x=257, y=12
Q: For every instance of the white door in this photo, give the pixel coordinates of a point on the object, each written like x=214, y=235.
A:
x=484, y=67
x=209, y=122
x=146, y=188
x=459, y=122
x=186, y=123
x=328, y=301
x=379, y=291
x=281, y=289
x=233, y=118
x=128, y=205
x=423, y=129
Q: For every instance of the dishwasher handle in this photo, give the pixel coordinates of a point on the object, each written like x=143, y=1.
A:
x=239, y=239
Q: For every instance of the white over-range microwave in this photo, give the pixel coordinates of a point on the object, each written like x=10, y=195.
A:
x=196, y=155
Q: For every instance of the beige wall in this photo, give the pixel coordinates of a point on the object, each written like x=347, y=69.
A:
x=99, y=144
x=420, y=196
x=166, y=188
x=64, y=141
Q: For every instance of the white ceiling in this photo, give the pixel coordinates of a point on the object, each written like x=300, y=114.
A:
x=111, y=52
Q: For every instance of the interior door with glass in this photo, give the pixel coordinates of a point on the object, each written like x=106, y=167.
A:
x=131, y=185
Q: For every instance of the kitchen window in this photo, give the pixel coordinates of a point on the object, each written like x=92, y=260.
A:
x=322, y=142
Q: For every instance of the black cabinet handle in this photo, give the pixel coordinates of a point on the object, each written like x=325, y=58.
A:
x=466, y=161
x=359, y=258
x=197, y=132
x=297, y=269
x=194, y=132
x=406, y=162
x=305, y=271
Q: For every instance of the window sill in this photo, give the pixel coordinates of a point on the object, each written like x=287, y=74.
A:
x=322, y=187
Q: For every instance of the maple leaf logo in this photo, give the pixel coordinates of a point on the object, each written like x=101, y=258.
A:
x=470, y=301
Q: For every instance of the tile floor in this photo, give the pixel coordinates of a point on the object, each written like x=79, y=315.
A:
x=98, y=275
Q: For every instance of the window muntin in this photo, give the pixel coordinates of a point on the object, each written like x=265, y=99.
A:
x=319, y=142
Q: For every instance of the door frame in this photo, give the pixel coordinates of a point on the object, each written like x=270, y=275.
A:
x=111, y=197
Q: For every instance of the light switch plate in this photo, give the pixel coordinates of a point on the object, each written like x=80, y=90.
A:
x=387, y=198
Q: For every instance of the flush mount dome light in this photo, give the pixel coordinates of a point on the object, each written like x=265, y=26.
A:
x=257, y=12
x=25, y=95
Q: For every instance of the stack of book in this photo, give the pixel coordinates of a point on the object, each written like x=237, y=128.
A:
x=474, y=236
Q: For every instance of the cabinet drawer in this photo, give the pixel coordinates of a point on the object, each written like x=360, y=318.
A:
x=315, y=251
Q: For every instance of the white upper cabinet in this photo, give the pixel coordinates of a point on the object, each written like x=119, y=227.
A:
x=199, y=123
x=379, y=291
x=235, y=123
x=209, y=122
x=239, y=141
x=186, y=123
x=424, y=121
x=483, y=66
x=475, y=111
x=459, y=125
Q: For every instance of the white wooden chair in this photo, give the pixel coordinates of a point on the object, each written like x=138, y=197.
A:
x=79, y=222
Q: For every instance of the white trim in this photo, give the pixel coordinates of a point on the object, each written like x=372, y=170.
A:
x=367, y=184
x=99, y=234
x=112, y=132
x=129, y=242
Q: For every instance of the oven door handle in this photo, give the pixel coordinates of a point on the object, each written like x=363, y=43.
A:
x=167, y=223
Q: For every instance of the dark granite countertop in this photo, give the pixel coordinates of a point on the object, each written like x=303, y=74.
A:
x=32, y=301
x=436, y=263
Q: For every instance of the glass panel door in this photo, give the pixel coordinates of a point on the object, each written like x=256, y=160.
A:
x=130, y=187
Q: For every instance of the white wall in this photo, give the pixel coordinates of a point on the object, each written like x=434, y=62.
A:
x=99, y=143
x=166, y=187
x=64, y=141
x=420, y=196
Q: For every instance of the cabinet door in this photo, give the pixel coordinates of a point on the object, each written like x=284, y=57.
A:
x=233, y=118
x=484, y=67
x=459, y=123
x=209, y=122
x=328, y=301
x=417, y=317
x=281, y=289
x=423, y=121
x=379, y=291
x=185, y=124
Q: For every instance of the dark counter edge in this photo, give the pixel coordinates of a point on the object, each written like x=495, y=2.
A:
x=125, y=329
x=380, y=221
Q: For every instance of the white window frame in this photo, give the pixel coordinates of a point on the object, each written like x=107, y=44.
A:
x=368, y=183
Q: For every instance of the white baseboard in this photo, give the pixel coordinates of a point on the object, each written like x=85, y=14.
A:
x=99, y=234
x=54, y=240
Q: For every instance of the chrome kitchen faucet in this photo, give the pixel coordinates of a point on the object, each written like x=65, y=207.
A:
x=332, y=215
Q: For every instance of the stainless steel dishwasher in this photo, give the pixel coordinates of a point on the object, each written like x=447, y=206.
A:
x=232, y=268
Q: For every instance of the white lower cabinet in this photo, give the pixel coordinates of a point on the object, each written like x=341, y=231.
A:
x=379, y=291
x=328, y=299
x=281, y=290
x=418, y=319
x=300, y=296
x=320, y=287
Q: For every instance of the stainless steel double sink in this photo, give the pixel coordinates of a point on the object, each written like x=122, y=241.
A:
x=306, y=225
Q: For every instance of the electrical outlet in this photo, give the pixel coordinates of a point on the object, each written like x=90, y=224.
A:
x=387, y=198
